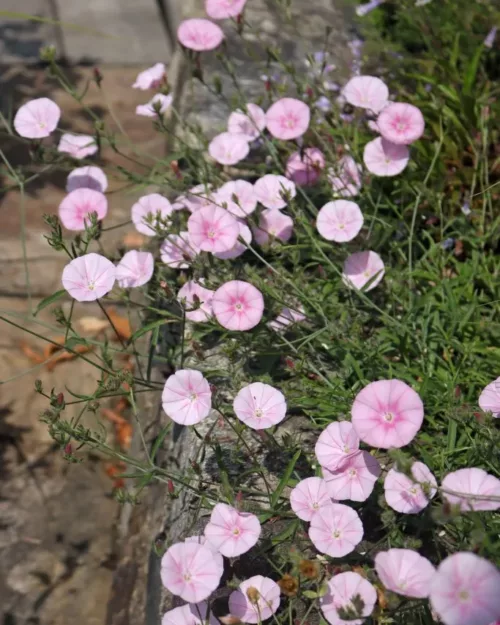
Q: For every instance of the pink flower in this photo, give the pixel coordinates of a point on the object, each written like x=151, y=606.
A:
x=190, y=614
x=89, y=277
x=238, y=305
x=288, y=118
x=135, y=269
x=362, y=268
x=273, y=224
x=274, y=191
x=387, y=413
x=159, y=102
x=150, y=78
x=304, y=167
x=336, y=530
x=405, y=572
x=247, y=124
x=339, y=221
x=186, y=397
x=201, y=540
x=287, y=317
x=260, y=406
x=213, y=229
x=473, y=487
x=308, y=497
x=347, y=181
x=76, y=207
x=153, y=206
x=242, y=604
x=238, y=197
x=37, y=118
x=384, y=158
x=239, y=248
x=355, y=479
x=88, y=177
x=199, y=196
x=401, y=123
x=178, y=251
x=190, y=571
x=228, y=149
x=192, y=291
x=77, y=146
x=466, y=590
x=232, y=532
x=342, y=590
x=223, y=9
x=407, y=495
x=367, y=92
x=489, y=400
x=199, y=34
x=336, y=445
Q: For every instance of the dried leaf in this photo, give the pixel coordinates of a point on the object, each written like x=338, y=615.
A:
x=92, y=325
x=32, y=354
x=134, y=239
x=121, y=324
x=64, y=356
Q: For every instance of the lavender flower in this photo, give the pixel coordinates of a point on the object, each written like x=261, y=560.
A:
x=490, y=39
x=364, y=9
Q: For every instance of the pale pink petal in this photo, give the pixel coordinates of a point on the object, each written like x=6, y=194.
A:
x=159, y=102
x=153, y=206
x=273, y=224
x=401, y=123
x=362, y=268
x=213, y=229
x=238, y=197
x=248, y=124
x=288, y=118
x=339, y=221
x=150, y=78
x=232, y=532
x=308, y=497
x=76, y=207
x=190, y=614
x=37, y=118
x=238, y=305
x=366, y=92
x=239, y=247
x=273, y=191
x=199, y=34
x=178, y=250
x=355, y=479
x=224, y=9
x=336, y=445
x=260, y=406
x=383, y=158
x=187, y=398
x=77, y=146
x=471, y=489
x=135, y=269
x=489, y=400
x=192, y=291
x=336, y=530
x=88, y=177
x=407, y=495
x=342, y=590
x=268, y=603
x=405, y=572
x=304, y=167
x=89, y=277
x=228, y=149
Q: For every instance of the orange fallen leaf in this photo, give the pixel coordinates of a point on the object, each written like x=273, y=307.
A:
x=112, y=470
x=92, y=325
x=133, y=239
x=32, y=354
x=123, y=429
x=64, y=355
x=121, y=324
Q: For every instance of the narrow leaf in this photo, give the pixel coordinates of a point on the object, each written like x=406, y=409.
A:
x=47, y=301
x=284, y=480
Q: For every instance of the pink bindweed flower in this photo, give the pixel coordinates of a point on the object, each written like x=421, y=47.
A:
x=339, y=221
x=336, y=530
x=178, y=250
x=193, y=292
x=201, y=540
x=37, y=118
x=308, y=497
x=387, y=414
x=260, y=406
x=190, y=614
x=362, y=268
x=406, y=495
x=466, y=590
x=473, y=488
x=401, y=123
x=150, y=78
x=342, y=591
x=247, y=124
x=405, y=572
x=239, y=248
x=190, y=571
x=89, y=277
x=77, y=146
x=88, y=177
x=489, y=400
x=286, y=318
x=336, y=445
x=238, y=305
x=186, y=397
x=304, y=167
x=383, y=158
x=288, y=118
x=228, y=149
x=346, y=180
x=367, y=92
x=274, y=191
x=148, y=211
x=199, y=196
x=213, y=229
x=232, y=532
x=135, y=269
x=273, y=224
x=224, y=9
x=256, y=600
x=76, y=207
x=355, y=479
x=238, y=197
x=199, y=34
x=159, y=103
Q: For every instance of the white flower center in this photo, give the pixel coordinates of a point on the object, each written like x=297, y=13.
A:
x=91, y=285
x=258, y=413
x=413, y=490
x=352, y=473
x=336, y=534
x=315, y=505
x=341, y=226
x=236, y=531
x=211, y=234
x=463, y=595
x=346, y=449
x=389, y=417
x=193, y=396
x=238, y=306
x=187, y=576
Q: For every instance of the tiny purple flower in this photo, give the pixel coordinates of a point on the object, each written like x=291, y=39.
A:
x=490, y=39
x=364, y=9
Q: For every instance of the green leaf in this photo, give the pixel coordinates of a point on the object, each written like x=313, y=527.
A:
x=284, y=480
x=73, y=341
x=148, y=327
x=286, y=533
x=310, y=594
x=159, y=441
x=47, y=301
x=471, y=72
